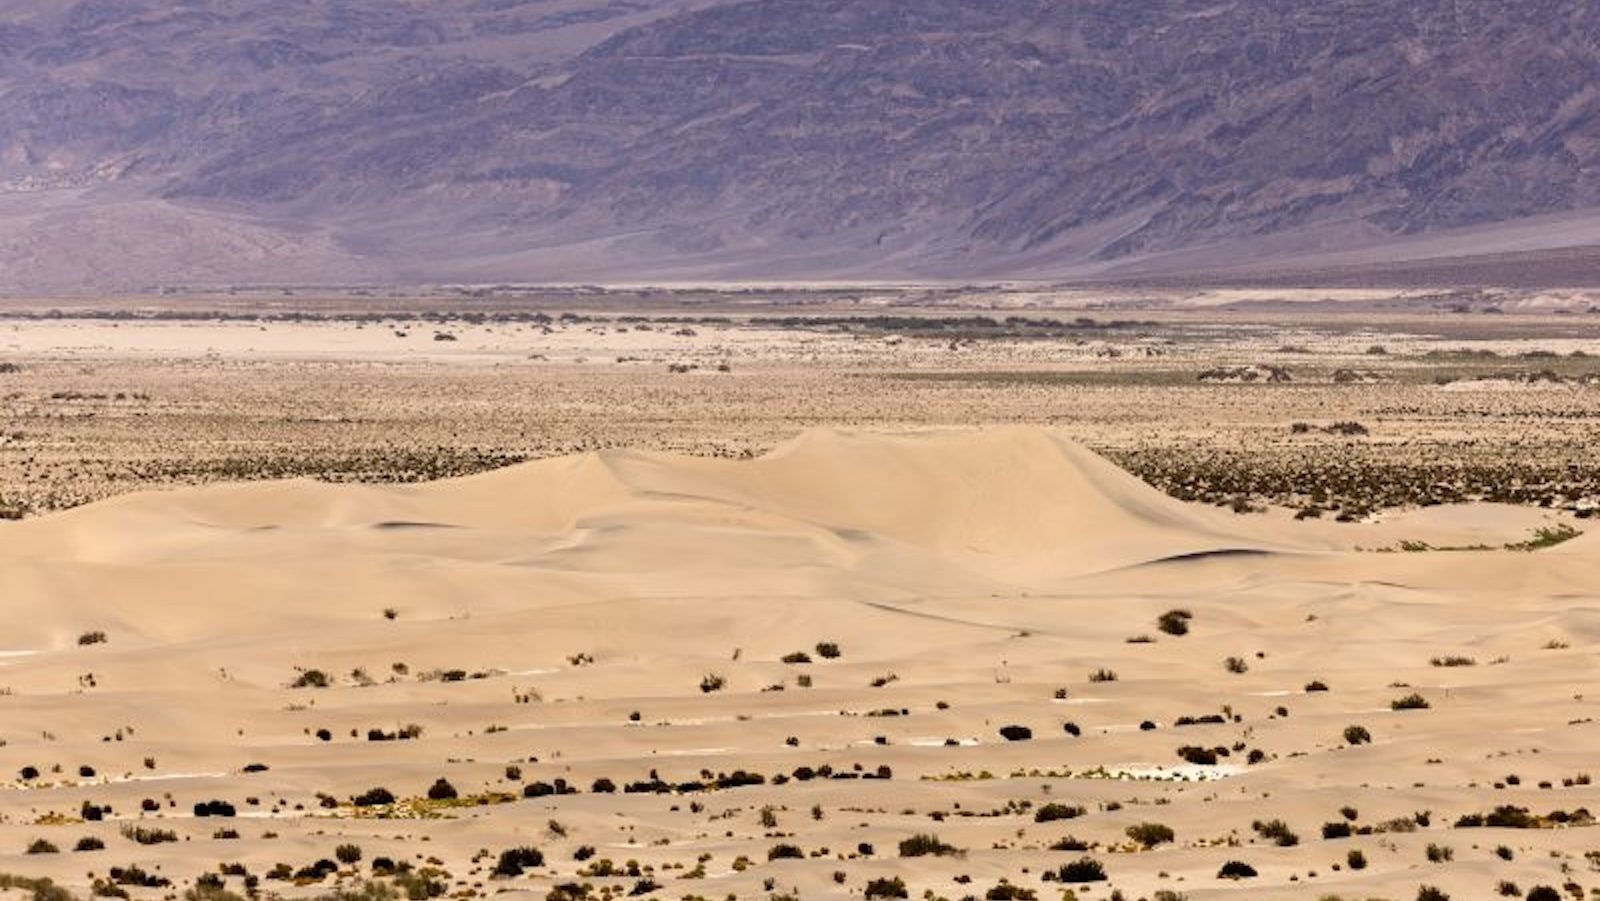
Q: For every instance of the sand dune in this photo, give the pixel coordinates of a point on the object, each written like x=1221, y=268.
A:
x=622, y=613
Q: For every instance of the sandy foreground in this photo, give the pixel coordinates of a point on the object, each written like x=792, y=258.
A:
x=764, y=676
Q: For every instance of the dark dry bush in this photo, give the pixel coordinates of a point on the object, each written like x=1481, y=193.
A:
x=828, y=650
x=1174, y=622
x=1278, y=831
x=1054, y=811
x=1316, y=685
x=373, y=798
x=1236, y=869
x=441, y=790
x=1356, y=860
x=214, y=809
x=1199, y=756
x=89, y=843
x=1016, y=733
x=1429, y=893
x=1335, y=830
x=894, y=887
x=348, y=854
x=1084, y=869
x=796, y=658
x=785, y=852
x=1357, y=735
x=1005, y=891
x=1410, y=702
x=311, y=678
x=42, y=846
x=1150, y=834
x=95, y=637
x=513, y=861
x=924, y=844
x=712, y=682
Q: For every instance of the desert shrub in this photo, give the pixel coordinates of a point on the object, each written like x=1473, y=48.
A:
x=147, y=836
x=1429, y=893
x=1440, y=853
x=1543, y=893
x=1410, y=702
x=1071, y=729
x=1355, y=860
x=1453, y=661
x=373, y=798
x=887, y=888
x=95, y=637
x=1174, y=622
x=785, y=852
x=1016, y=733
x=797, y=657
x=712, y=682
x=1150, y=834
x=89, y=843
x=603, y=786
x=828, y=650
x=1277, y=831
x=924, y=844
x=1084, y=869
x=1504, y=853
x=1236, y=665
x=1005, y=891
x=513, y=861
x=1316, y=685
x=311, y=678
x=1103, y=675
x=1336, y=829
x=214, y=809
x=1053, y=811
x=1236, y=869
x=347, y=854
x=1070, y=843
x=442, y=790
x=1198, y=756
x=1357, y=735
x=42, y=846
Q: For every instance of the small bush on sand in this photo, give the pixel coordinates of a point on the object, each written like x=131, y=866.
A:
x=1151, y=834
x=925, y=844
x=1174, y=622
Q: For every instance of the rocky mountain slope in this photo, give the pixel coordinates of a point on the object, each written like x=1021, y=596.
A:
x=146, y=142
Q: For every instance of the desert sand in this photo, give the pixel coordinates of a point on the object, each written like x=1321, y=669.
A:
x=787, y=666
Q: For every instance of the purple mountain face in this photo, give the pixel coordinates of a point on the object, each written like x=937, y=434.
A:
x=155, y=142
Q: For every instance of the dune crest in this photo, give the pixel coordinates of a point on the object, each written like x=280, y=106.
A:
x=1010, y=504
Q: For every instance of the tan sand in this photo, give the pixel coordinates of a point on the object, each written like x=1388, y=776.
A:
x=973, y=579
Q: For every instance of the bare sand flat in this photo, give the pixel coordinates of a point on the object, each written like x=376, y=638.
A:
x=787, y=667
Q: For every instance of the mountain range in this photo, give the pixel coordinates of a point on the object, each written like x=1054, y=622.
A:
x=147, y=143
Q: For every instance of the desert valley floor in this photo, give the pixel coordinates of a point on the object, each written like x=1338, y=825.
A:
x=878, y=593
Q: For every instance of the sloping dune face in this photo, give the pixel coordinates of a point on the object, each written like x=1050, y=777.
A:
x=953, y=628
